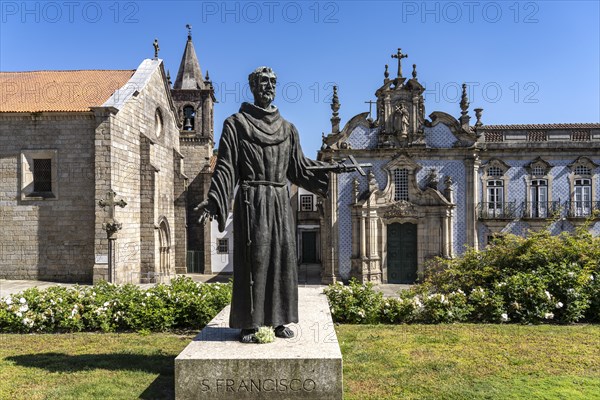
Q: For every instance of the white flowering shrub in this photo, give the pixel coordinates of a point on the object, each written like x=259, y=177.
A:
x=401, y=310
x=527, y=298
x=435, y=308
x=184, y=304
x=355, y=303
x=538, y=278
x=361, y=304
x=487, y=305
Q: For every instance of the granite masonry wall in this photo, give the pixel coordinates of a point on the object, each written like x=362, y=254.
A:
x=48, y=238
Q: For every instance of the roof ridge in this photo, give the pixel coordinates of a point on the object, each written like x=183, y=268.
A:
x=542, y=125
x=66, y=70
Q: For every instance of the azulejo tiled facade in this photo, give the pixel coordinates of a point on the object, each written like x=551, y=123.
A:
x=440, y=184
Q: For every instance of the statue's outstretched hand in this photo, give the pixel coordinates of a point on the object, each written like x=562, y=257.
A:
x=341, y=168
x=208, y=209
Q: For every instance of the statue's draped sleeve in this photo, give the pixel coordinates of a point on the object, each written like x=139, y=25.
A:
x=225, y=175
x=315, y=181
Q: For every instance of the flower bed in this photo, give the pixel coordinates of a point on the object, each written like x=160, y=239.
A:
x=541, y=278
x=184, y=304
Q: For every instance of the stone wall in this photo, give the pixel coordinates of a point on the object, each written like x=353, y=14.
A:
x=141, y=171
x=52, y=238
x=197, y=153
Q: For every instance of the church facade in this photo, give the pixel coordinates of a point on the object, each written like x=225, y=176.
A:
x=441, y=184
x=68, y=139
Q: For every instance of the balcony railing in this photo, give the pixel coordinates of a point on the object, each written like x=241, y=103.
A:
x=540, y=209
x=498, y=210
x=582, y=209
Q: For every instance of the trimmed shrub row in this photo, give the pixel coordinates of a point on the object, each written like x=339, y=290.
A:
x=184, y=304
x=535, y=279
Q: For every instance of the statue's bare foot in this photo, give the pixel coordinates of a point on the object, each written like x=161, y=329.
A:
x=284, y=332
x=248, y=336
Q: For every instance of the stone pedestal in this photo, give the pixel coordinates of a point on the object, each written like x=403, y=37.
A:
x=215, y=365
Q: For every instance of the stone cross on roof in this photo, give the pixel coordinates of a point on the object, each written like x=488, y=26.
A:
x=399, y=56
x=156, y=48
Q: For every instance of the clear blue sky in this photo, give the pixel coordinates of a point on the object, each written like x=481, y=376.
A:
x=528, y=62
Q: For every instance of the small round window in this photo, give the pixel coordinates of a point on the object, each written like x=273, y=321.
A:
x=158, y=123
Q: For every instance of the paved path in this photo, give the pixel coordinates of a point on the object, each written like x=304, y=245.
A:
x=308, y=276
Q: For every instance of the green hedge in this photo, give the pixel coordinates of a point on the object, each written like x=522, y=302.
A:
x=184, y=304
x=535, y=279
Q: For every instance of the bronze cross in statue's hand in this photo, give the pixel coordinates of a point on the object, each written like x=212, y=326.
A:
x=399, y=56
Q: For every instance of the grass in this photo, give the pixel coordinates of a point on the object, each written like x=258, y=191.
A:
x=89, y=366
x=471, y=362
x=380, y=362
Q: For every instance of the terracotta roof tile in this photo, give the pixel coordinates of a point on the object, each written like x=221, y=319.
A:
x=39, y=91
x=541, y=126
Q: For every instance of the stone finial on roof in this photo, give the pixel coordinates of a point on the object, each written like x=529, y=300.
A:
x=324, y=145
x=156, y=49
x=169, y=78
x=386, y=74
x=335, y=107
x=478, y=112
x=207, y=77
x=464, y=108
x=189, y=28
x=464, y=100
x=414, y=73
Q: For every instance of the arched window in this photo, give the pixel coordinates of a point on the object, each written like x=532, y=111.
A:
x=158, y=123
x=495, y=184
x=539, y=204
x=582, y=194
x=164, y=243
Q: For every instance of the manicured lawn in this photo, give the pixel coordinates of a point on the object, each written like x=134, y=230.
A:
x=380, y=362
x=88, y=366
x=470, y=362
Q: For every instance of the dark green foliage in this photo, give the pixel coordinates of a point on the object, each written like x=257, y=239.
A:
x=184, y=304
x=534, y=279
x=355, y=303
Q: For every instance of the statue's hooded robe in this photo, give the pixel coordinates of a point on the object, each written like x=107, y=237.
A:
x=260, y=151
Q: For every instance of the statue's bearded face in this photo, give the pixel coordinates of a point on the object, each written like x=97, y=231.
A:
x=264, y=89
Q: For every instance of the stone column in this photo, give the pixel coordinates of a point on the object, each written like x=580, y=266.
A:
x=472, y=164
x=373, y=235
x=330, y=247
x=112, y=259
x=206, y=115
x=111, y=227
x=207, y=233
x=448, y=237
x=363, y=236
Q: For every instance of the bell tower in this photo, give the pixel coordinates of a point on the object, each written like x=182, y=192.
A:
x=194, y=98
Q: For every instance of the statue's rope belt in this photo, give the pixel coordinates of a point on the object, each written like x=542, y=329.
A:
x=246, y=185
